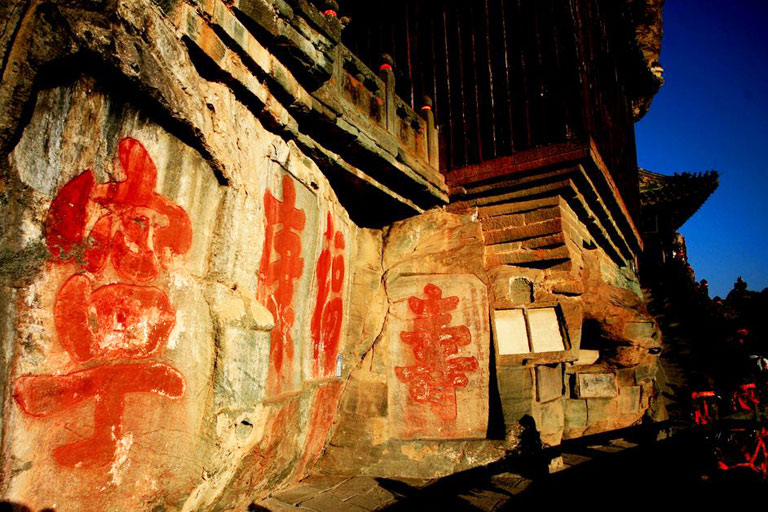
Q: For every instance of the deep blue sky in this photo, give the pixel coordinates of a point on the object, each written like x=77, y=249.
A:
x=712, y=113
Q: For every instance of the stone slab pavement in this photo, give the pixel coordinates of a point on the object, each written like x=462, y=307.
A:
x=601, y=472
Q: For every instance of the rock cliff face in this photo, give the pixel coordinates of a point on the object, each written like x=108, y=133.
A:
x=224, y=264
x=155, y=318
x=649, y=30
x=178, y=278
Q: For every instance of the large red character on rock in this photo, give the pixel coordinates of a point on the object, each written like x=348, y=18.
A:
x=138, y=228
x=436, y=376
x=109, y=327
x=329, y=308
x=281, y=264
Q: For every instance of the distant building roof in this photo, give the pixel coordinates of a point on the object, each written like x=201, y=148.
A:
x=675, y=198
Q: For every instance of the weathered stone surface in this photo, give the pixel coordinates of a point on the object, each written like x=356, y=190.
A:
x=366, y=395
x=435, y=243
x=622, y=317
x=640, y=330
x=220, y=343
x=647, y=394
x=328, y=502
x=144, y=422
x=285, y=275
x=601, y=413
x=645, y=372
x=549, y=383
x=516, y=393
x=517, y=290
x=628, y=356
x=570, y=287
x=409, y=459
x=629, y=399
x=587, y=357
x=575, y=414
x=648, y=31
x=323, y=410
x=261, y=12
x=550, y=421
x=596, y=385
x=438, y=344
x=242, y=332
x=368, y=303
x=500, y=255
x=362, y=442
x=189, y=314
x=625, y=377
x=524, y=232
x=503, y=221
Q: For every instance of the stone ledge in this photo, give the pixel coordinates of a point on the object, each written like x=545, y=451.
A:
x=549, y=171
x=395, y=163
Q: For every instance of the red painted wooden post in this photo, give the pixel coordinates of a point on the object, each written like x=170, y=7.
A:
x=388, y=77
x=433, y=149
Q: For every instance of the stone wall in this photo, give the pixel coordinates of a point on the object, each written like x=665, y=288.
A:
x=544, y=250
x=167, y=313
x=417, y=405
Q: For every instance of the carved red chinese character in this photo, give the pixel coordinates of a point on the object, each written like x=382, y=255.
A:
x=106, y=386
x=139, y=231
x=436, y=375
x=282, y=239
x=329, y=307
x=116, y=321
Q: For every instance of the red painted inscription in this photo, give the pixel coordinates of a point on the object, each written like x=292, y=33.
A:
x=137, y=228
x=114, y=321
x=106, y=386
x=329, y=308
x=139, y=231
x=281, y=264
x=436, y=375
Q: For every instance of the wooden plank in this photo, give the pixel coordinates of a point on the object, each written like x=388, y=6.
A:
x=552, y=154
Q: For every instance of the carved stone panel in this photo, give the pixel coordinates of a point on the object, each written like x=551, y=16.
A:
x=597, y=385
x=438, y=338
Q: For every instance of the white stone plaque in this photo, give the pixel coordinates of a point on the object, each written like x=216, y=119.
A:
x=511, y=333
x=545, y=330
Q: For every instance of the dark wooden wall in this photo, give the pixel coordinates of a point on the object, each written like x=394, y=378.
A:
x=509, y=75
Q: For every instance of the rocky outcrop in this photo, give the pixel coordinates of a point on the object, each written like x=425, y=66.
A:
x=176, y=273
x=417, y=404
x=649, y=29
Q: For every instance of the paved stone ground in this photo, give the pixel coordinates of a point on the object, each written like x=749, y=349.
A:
x=601, y=473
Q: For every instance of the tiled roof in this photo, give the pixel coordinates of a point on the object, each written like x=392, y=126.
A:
x=676, y=197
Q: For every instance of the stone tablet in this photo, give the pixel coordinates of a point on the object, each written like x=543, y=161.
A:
x=549, y=383
x=597, y=385
x=439, y=341
x=511, y=333
x=545, y=330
